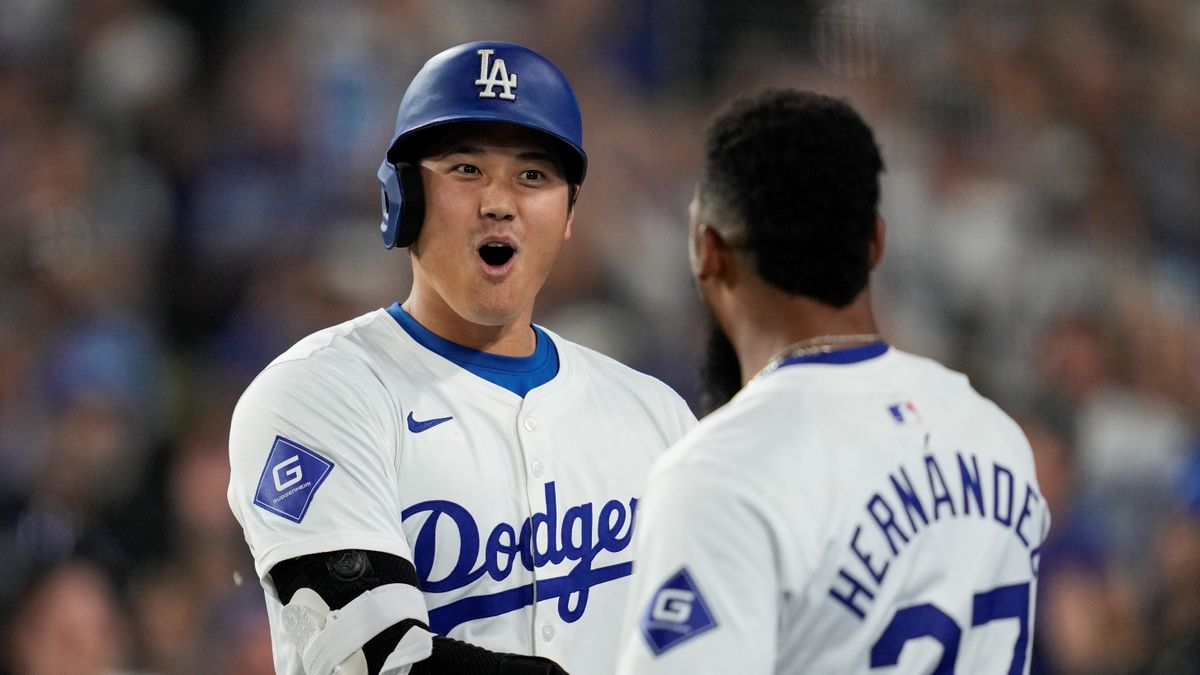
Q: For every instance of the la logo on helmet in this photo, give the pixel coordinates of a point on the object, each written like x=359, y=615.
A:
x=497, y=77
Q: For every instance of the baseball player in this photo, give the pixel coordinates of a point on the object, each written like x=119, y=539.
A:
x=853, y=508
x=441, y=486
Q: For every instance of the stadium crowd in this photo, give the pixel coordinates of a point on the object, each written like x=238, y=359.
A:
x=188, y=188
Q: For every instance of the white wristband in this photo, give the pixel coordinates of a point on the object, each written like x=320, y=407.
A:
x=347, y=629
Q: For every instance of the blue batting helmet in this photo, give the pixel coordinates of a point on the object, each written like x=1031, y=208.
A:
x=475, y=82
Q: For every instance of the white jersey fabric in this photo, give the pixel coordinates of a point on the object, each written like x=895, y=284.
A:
x=860, y=510
x=359, y=437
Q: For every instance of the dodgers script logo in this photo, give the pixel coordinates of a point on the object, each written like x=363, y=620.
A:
x=496, y=77
x=540, y=540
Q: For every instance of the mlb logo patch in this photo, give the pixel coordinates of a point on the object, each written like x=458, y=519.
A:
x=904, y=411
x=676, y=613
x=290, y=479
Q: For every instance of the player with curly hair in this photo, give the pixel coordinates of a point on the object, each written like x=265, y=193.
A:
x=851, y=507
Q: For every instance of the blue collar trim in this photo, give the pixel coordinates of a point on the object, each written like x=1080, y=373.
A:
x=518, y=374
x=840, y=356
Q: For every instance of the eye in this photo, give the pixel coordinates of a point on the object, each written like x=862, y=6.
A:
x=532, y=175
x=467, y=169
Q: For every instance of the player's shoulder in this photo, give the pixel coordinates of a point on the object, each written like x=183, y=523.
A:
x=726, y=455
x=593, y=363
x=932, y=370
x=820, y=389
x=947, y=398
x=800, y=411
x=729, y=441
x=350, y=340
x=602, y=370
x=955, y=387
x=894, y=365
x=333, y=359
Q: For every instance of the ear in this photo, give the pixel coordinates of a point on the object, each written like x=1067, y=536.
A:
x=713, y=255
x=875, y=247
x=570, y=219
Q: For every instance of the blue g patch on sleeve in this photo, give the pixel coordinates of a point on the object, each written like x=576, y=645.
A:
x=676, y=613
x=290, y=479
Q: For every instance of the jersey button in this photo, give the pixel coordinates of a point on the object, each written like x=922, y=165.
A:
x=547, y=632
x=531, y=424
x=536, y=468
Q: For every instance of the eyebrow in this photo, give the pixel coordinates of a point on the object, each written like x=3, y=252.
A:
x=462, y=150
x=541, y=155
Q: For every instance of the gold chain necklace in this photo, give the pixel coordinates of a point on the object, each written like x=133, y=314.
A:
x=821, y=344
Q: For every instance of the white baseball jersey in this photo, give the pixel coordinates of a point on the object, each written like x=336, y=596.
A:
x=849, y=512
x=516, y=512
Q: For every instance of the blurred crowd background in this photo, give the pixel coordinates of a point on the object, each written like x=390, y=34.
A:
x=187, y=188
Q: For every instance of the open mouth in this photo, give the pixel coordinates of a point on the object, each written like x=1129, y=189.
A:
x=496, y=253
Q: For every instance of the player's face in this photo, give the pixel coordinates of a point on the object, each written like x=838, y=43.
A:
x=496, y=215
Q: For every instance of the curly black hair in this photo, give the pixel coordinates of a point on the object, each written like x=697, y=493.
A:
x=799, y=172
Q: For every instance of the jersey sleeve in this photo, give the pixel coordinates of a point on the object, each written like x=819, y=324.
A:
x=312, y=456
x=674, y=417
x=704, y=592
x=682, y=418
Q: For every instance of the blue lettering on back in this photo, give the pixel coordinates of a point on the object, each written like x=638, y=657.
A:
x=848, y=599
x=1002, y=496
x=971, y=485
x=938, y=488
x=856, y=593
x=1030, y=495
x=908, y=498
x=886, y=523
x=866, y=557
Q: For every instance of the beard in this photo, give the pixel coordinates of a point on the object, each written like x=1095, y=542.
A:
x=721, y=374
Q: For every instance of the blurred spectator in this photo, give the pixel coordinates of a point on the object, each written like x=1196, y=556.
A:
x=71, y=510
x=1087, y=614
x=239, y=624
x=1129, y=444
x=208, y=543
x=166, y=614
x=1175, y=621
x=70, y=621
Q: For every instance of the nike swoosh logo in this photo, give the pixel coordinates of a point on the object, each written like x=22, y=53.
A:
x=417, y=426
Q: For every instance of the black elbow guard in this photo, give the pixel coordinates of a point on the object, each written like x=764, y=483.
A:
x=515, y=664
x=460, y=658
x=339, y=577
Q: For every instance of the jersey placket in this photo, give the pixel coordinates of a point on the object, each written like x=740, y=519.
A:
x=533, y=439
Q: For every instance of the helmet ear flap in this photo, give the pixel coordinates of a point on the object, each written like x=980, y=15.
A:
x=403, y=203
